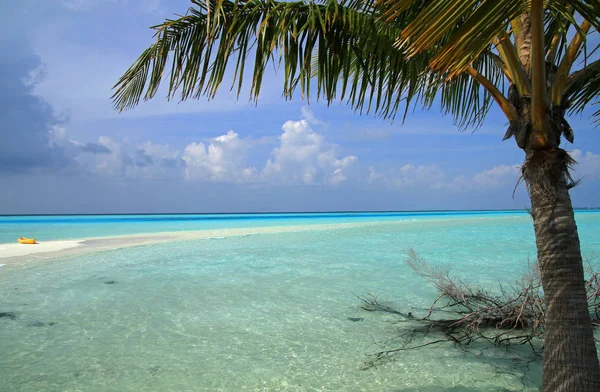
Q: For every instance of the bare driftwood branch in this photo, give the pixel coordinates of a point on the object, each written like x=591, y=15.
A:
x=513, y=315
x=372, y=303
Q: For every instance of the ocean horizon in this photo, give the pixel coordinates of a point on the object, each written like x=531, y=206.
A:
x=287, y=212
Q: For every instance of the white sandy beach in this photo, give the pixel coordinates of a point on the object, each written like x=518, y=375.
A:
x=10, y=253
x=16, y=249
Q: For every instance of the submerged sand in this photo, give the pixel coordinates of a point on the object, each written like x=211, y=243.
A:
x=50, y=249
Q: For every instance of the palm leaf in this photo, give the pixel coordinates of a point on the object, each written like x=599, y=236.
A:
x=583, y=89
x=456, y=31
x=349, y=54
x=379, y=56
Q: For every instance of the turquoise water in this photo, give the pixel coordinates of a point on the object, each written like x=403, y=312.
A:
x=265, y=312
x=85, y=226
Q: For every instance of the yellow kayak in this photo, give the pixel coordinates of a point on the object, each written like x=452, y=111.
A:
x=27, y=240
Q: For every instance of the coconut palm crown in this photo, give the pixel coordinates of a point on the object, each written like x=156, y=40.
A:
x=536, y=60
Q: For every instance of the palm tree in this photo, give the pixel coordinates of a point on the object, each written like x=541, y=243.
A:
x=529, y=57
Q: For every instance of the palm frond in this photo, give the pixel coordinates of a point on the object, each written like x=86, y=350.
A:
x=467, y=100
x=572, y=52
x=349, y=54
x=380, y=56
x=457, y=31
x=588, y=9
x=583, y=89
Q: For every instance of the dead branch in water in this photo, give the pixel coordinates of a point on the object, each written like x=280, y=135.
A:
x=514, y=314
x=372, y=303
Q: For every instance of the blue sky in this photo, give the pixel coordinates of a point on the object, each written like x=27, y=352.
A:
x=64, y=150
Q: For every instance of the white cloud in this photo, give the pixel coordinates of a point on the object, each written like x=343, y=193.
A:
x=301, y=156
x=115, y=164
x=419, y=175
x=162, y=151
x=146, y=160
x=119, y=159
x=57, y=136
x=588, y=165
x=497, y=176
x=222, y=159
x=72, y=149
x=501, y=176
x=309, y=116
x=373, y=175
x=305, y=157
x=507, y=176
x=409, y=177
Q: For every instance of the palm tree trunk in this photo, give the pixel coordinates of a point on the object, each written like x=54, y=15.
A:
x=570, y=359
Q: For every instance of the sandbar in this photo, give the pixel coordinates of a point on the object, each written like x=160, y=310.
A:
x=19, y=250
x=10, y=253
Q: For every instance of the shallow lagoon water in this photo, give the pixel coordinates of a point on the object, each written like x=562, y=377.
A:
x=53, y=227
x=264, y=312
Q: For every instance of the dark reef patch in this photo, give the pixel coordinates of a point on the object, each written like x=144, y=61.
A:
x=355, y=319
x=8, y=315
x=153, y=370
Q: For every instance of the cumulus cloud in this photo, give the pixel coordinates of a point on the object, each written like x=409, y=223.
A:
x=221, y=159
x=588, y=165
x=309, y=116
x=506, y=176
x=119, y=158
x=58, y=138
x=304, y=156
x=409, y=177
x=301, y=156
x=146, y=160
x=94, y=148
x=497, y=176
x=161, y=151
x=116, y=163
